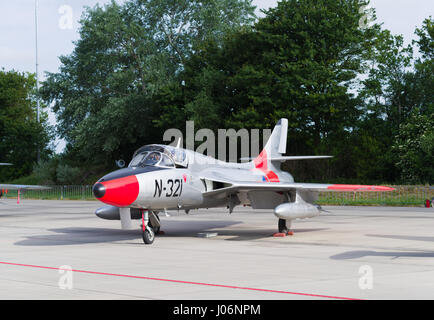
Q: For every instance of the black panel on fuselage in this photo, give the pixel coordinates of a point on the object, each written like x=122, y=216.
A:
x=125, y=172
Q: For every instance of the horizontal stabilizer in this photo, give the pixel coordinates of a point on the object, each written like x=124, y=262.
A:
x=291, y=158
x=22, y=187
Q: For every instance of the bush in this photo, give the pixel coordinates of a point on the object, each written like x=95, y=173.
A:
x=45, y=172
x=68, y=175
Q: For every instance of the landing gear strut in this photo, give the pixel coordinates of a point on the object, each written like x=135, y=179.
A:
x=283, y=227
x=154, y=221
x=150, y=226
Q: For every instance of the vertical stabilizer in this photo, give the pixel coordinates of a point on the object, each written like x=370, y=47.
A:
x=275, y=147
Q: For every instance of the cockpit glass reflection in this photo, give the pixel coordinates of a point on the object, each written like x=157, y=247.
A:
x=159, y=155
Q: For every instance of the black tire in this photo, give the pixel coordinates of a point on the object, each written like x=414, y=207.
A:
x=148, y=235
x=282, y=226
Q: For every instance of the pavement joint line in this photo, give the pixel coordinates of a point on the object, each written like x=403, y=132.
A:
x=78, y=289
x=181, y=281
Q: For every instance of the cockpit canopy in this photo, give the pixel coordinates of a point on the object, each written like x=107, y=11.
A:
x=160, y=156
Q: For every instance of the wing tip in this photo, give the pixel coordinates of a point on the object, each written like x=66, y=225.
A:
x=350, y=187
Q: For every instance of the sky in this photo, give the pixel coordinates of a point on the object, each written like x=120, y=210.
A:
x=58, y=27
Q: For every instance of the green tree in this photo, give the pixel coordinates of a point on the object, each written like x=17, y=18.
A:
x=426, y=39
x=20, y=134
x=383, y=94
x=104, y=93
x=414, y=144
x=300, y=61
x=394, y=89
x=421, y=82
x=384, y=89
x=415, y=149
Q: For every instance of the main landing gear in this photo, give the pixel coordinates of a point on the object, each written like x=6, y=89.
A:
x=150, y=226
x=283, y=227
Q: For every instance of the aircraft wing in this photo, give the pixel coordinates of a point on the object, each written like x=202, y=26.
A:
x=232, y=187
x=22, y=187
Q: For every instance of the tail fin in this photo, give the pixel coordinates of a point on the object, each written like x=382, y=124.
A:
x=275, y=147
x=276, y=144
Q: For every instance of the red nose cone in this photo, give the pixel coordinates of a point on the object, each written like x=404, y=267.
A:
x=118, y=192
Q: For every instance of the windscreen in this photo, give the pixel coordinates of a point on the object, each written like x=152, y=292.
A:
x=154, y=158
x=159, y=155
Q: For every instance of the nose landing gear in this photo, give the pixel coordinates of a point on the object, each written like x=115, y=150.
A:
x=150, y=226
x=148, y=235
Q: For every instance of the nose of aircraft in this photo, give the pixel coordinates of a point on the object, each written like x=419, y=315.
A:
x=117, y=190
x=98, y=190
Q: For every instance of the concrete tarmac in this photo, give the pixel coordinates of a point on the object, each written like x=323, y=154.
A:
x=348, y=252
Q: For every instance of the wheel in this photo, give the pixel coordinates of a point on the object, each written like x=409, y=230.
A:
x=282, y=226
x=148, y=235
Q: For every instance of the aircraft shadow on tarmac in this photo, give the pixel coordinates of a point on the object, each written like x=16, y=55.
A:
x=256, y=234
x=399, y=254
x=172, y=229
x=361, y=254
x=80, y=235
x=87, y=235
x=415, y=238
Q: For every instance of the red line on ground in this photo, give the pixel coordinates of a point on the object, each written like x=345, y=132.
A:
x=179, y=281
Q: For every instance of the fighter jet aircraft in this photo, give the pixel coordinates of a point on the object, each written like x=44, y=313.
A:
x=5, y=187
x=161, y=177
